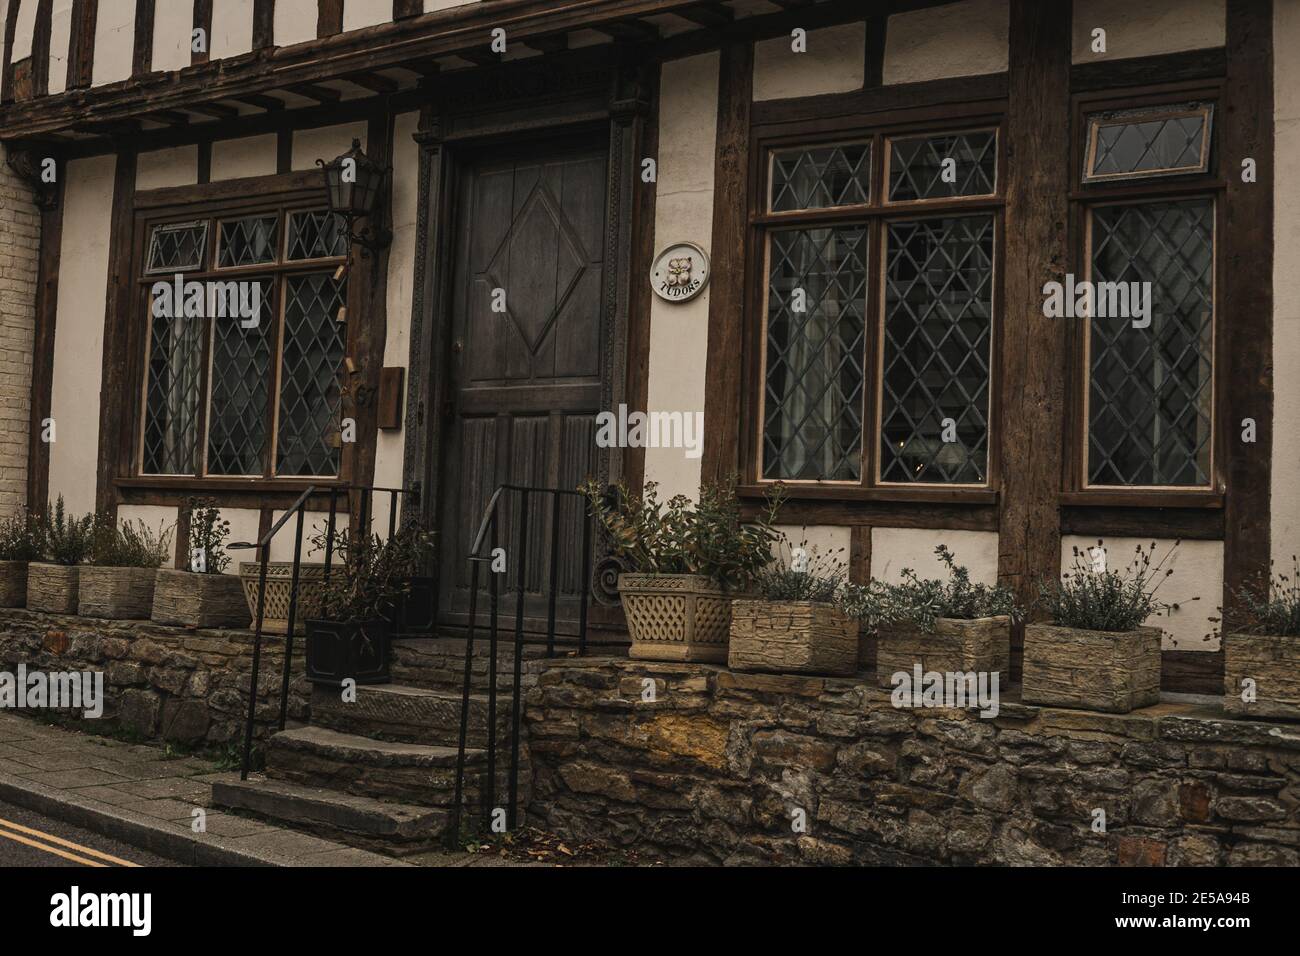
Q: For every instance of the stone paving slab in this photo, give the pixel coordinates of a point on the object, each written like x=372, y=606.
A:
x=145, y=797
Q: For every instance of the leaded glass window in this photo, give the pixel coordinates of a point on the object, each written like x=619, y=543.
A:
x=1151, y=385
x=248, y=241
x=177, y=247
x=316, y=235
x=821, y=177
x=938, y=323
x=314, y=341
x=172, y=396
x=1145, y=143
x=943, y=167
x=240, y=373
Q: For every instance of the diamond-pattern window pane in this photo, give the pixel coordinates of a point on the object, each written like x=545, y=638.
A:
x=917, y=167
x=821, y=176
x=308, y=439
x=813, y=382
x=172, y=395
x=249, y=241
x=240, y=391
x=177, y=247
x=938, y=328
x=316, y=234
x=1142, y=144
x=1149, y=398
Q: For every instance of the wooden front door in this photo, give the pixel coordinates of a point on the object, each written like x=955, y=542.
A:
x=526, y=366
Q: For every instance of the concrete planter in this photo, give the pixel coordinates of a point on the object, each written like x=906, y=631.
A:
x=52, y=588
x=13, y=583
x=675, y=617
x=1109, y=671
x=1273, y=663
x=792, y=637
x=122, y=594
x=199, y=600
x=279, y=582
x=980, y=645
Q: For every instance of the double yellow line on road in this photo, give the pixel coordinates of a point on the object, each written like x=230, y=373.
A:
x=58, y=846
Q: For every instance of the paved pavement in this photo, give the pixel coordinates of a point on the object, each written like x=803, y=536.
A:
x=143, y=796
x=34, y=839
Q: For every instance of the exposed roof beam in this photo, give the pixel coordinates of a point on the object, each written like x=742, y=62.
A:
x=321, y=94
x=707, y=15
x=375, y=82
x=633, y=30
x=261, y=101
x=170, y=117
x=549, y=43
x=215, y=110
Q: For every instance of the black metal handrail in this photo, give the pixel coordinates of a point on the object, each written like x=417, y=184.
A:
x=263, y=546
x=488, y=534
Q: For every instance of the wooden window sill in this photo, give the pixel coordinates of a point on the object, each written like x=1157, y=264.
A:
x=851, y=493
x=1138, y=498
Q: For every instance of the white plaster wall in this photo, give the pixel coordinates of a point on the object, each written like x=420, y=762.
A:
x=893, y=549
x=1198, y=573
x=295, y=21
x=821, y=540
x=115, y=42
x=431, y=5
x=24, y=30
x=1286, y=286
x=325, y=143
x=1148, y=28
x=158, y=519
x=314, y=523
x=688, y=133
x=960, y=39
x=833, y=63
x=391, y=445
x=79, y=330
x=232, y=28
x=173, y=27
x=365, y=13
x=241, y=158
x=60, y=38
x=244, y=523
x=178, y=166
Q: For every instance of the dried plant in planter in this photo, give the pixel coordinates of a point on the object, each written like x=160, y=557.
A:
x=1261, y=649
x=686, y=561
x=20, y=543
x=65, y=542
x=202, y=595
x=119, y=583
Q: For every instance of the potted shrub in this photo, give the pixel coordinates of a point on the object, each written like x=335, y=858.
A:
x=948, y=626
x=350, y=631
x=686, y=565
x=793, y=625
x=1261, y=650
x=1097, y=653
x=201, y=594
x=52, y=584
x=20, y=543
x=125, y=558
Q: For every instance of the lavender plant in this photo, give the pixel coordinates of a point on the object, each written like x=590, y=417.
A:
x=1276, y=611
x=802, y=572
x=1109, y=600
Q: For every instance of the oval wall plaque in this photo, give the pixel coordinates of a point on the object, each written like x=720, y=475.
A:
x=680, y=273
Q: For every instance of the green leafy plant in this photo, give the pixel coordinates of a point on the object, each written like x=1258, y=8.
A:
x=208, y=534
x=802, y=572
x=708, y=538
x=1275, y=612
x=369, y=574
x=65, y=540
x=132, y=544
x=1109, y=600
x=20, y=538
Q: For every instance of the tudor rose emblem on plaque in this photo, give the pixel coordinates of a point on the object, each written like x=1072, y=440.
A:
x=680, y=272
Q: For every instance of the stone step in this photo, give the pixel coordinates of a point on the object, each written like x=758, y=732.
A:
x=393, y=828
x=397, y=712
x=421, y=774
x=439, y=664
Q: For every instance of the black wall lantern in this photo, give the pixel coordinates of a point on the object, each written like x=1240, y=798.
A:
x=355, y=184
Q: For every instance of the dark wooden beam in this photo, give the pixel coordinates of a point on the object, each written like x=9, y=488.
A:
x=216, y=110
x=633, y=31
x=263, y=24
x=283, y=150
x=321, y=94
x=643, y=253
x=480, y=56
x=47, y=309
x=268, y=103
x=1034, y=348
x=722, y=394
x=205, y=162
x=947, y=94
x=41, y=47
x=1246, y=317
x=548, y=43
x=375, y=82
x=202, y=21
x=142, y=52
x=81, y=41
x=170, y=117
x=329, y=19
x=873, y=60
x=1147, y=70
x=11, y=26
x=707, y=15
x=403, y=9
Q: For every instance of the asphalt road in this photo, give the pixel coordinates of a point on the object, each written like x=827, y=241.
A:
x=32, y=839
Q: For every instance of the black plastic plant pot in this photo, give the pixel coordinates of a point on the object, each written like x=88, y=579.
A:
x=359, y=650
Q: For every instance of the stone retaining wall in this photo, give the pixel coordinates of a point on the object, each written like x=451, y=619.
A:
x=162, y=683
x=721, y=765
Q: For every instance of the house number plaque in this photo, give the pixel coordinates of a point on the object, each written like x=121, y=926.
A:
x=680, y=273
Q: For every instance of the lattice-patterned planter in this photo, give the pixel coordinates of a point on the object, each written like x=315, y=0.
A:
x=13, y=583
x=980, y=645
x=675, y=617
x=279, y=579
x=792, y=637
x=123, y=594
x=52, y=588
x=1272, y=663
x=199, y=600
x=1110, y=671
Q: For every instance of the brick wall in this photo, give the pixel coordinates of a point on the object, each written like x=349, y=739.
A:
x=20, y=235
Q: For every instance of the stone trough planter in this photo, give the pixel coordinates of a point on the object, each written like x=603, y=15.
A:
x=1108, y=671
x=1272, y=662
x=52, y=588
x=13, y=583
x=792, y=637
x=121, y=594
x=199, y=600
x=675, y=617
x=981, y=645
